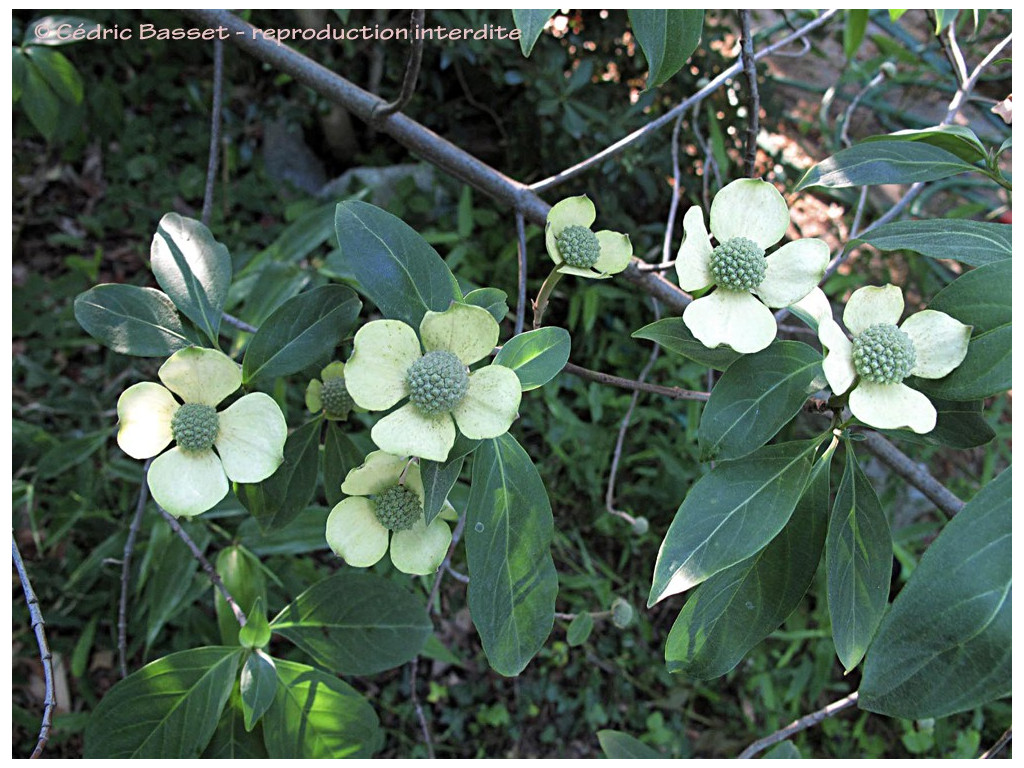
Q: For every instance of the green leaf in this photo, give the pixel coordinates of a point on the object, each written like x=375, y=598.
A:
x=132, y=320
x=438, y=479
x=193, y=269
x=258, y=687
x=853, y=31
x=530, y=24
x=315, y=715
x=356, y=623
x=245, y=581
x=70, y=453
x=59, y=30
x=945, y=646
x=755, y=398
x=969, y=242
x=668, y=38
x=19, y=65
x=276, y=501
x=301, y=332
x=858, y=561
x=59, y=73
x=39, y=101
x=944, y=17
x=83, y=648
x=579, y=629
x=392, y=264
x=785, y=750
x=617, y=745
x=673, y=335
x=493, y=300
x=884, y=162
x=958, y=140
x=256, y=632
x=730, y=514
x=231, y=741
x=737, y=608
x=168, y=709
x=340, y=456
x=536, y=356
x=512, y=579
x=959, y=424
x=985, y=372
x=982, y=297
x=170, y=583
x=895, y=13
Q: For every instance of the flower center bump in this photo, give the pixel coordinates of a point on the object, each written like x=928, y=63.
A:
x=194, y=427
x=579, y=246
x=398, y=508
x=438, y=382
x=336, y=400
x=738, y=264
x=883, y=354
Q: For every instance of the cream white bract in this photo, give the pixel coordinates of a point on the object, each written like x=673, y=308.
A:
x=386, y=501
x=388, y=365
x=927, y=344
x=575, y=249
x=192, y=477
x=748, y=216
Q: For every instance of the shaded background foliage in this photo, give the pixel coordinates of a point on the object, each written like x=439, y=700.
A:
x=88, y=201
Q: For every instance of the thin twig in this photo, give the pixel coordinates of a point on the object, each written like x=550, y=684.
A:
x=844, y=135
x=967, y=86
x=412, y=72
x=236, y=323
x=126, y=565
x=459, y=577
x=710, y=162
x=638, y=386
x=913, y=473
x=956, y=56
x=677, y=180
x=999, y=745
x=218, y=97
x=420, y=715
x=799, y=725
x=521, y=285
x=754, y=99
x=211, y=572
x=456, y=535
x=39, y=628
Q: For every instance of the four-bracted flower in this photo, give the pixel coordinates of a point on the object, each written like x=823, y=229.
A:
x=578, y=251
x=748, y=216
x=387, y=365
x=385, y=496
x=328, y=394
x=191, y=478
x=928, y=344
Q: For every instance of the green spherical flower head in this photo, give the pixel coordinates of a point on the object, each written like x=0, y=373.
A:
x=398, y=508
x=883, y=354
x=738, y=264
x=335, y=397
x=437, y=382
x=579, y=246
x=194, y=427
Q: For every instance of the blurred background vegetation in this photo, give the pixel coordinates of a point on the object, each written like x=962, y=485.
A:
x=131, y=144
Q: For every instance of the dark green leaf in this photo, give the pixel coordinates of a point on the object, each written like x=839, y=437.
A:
x=986, y=371
x=579, y=629
x=438, y=479
x=168, y=709
x=667, y=37
x=276, y=501
x=301, y=332
x=493, y=300
x=955, y=139
x=256, y=632
x=785, y=750
x=303, y=536
x=315, y=715
x=982, y=297
x=59, y=73
x=944, y=17
x=946, y=644
x=356, y=623
x=536, y=356
x=171, y=580
x=730, y=514
x=258, y=687
x=673, y=335
x=59, y=30
x=393, y=265
x=245, y=582
x=970, y=242
x=132, y=320
x=83, y=647
x=617, y=745
x=737, y=608
x=853, y=31
x=39, y=101
x=340, y=456
x=858, y=560
x=530, y=24
x=512, y=579
x=755, y=398
x=958, y=425
x=70, y=453
x=19, y=65
x=193, y=269
x=231, y=741
x=884, y=162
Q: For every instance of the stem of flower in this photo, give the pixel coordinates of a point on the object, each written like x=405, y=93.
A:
x=541, y=302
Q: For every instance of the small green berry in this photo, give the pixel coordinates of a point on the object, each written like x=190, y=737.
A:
x=194, y=427
x=398, y=508
x=438, y=382
x=578, y=246
x=622, y=613
x=883, y=354
x=335, y=398
x=738, y=264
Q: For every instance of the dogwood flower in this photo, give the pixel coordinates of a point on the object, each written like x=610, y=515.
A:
x=388, y=365
x=328, y=394
x=386, y=501
x=928, y=344
x=191, y=478
x=575, y=249
x=748, y=216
